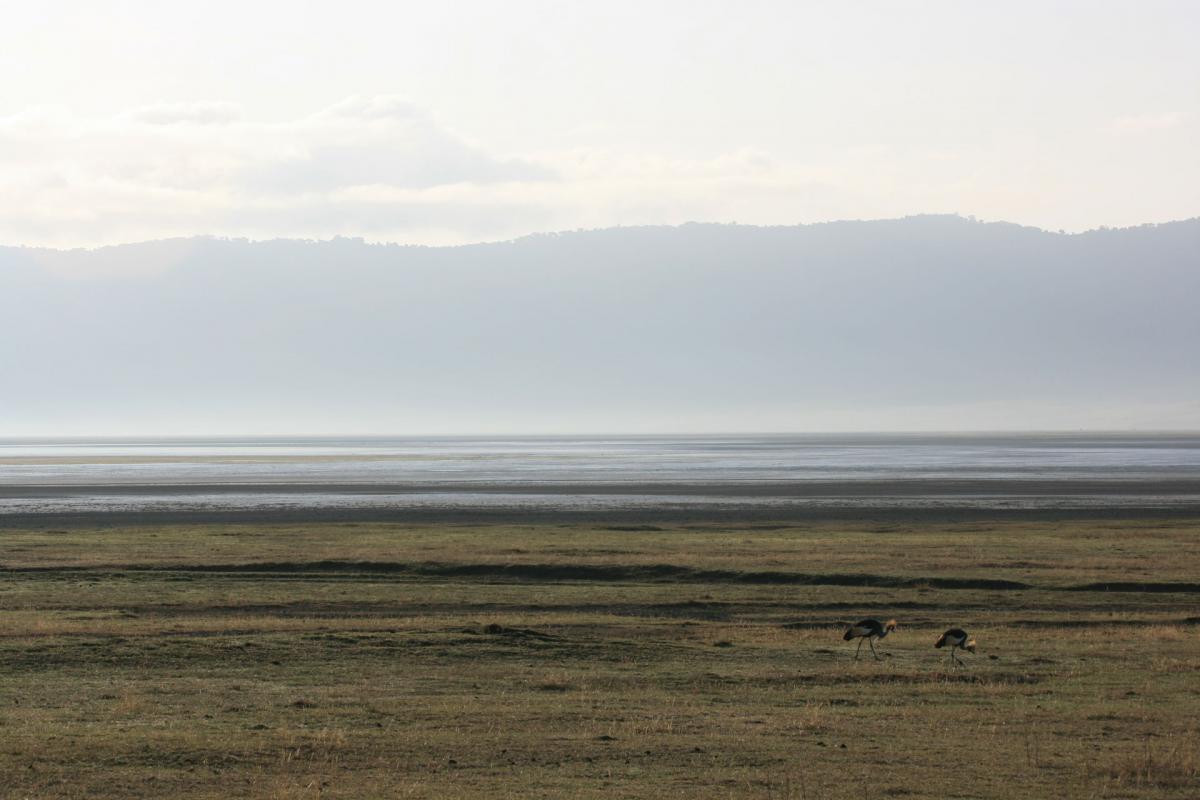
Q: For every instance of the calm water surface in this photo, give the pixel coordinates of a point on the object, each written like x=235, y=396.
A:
x=594, y=472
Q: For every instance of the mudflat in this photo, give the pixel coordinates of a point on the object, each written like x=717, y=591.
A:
x=659, y=502
x=599, y=659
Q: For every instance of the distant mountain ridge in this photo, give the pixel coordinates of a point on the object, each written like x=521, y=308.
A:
x=698, y=327
x=951, y=218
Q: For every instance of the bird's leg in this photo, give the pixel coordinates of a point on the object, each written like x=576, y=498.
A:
x=871, y=642
x=856, y=652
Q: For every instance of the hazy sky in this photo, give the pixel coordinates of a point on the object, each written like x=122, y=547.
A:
x=467, y=121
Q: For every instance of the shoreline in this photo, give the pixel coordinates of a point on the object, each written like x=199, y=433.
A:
x=633, y=519
x=471, y=502
x=816, y=489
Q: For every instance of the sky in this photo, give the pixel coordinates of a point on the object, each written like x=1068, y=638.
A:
x=481, y=121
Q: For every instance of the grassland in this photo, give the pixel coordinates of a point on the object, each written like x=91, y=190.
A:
x=589, y=661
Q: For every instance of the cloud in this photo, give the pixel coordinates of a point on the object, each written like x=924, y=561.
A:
x=380, y=141
x=380, y=107
x=378, y=167
x=385, y=169
x=359, y=142
x=200, y=168
x=188, y=113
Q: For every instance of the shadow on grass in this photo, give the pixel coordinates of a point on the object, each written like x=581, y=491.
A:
x=669, y=573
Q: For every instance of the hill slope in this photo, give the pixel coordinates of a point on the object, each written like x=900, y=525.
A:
x=923, y=322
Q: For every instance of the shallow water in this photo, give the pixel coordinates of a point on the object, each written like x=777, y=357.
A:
x=1027, y=470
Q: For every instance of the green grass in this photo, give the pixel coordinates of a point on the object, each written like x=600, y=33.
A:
x=360, y=661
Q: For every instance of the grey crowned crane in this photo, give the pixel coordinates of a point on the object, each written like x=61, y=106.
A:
x=957, y=639
x=869, y=629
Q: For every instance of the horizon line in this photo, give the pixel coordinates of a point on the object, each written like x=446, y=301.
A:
x=967, y=218
x=4, y=438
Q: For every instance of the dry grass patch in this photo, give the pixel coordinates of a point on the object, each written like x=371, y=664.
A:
x=207, y=676
x=1174, y=765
